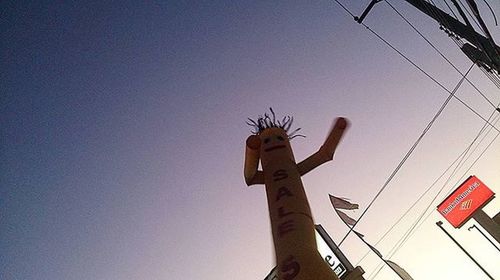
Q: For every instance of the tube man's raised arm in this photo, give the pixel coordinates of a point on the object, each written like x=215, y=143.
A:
x=325, y=153
x=252, y=156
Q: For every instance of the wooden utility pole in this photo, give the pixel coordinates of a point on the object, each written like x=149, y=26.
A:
x=480, y=49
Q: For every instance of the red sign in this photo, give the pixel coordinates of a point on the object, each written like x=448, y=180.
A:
x=460, y=205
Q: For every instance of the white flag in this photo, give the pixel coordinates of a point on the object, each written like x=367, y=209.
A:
x=342, y=203
x=348, y=220
x=399, y=270
x=368, y=244
x=375, y=250
x=359, y=234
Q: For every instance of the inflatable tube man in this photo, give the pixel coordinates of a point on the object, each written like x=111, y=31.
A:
x=292, y=224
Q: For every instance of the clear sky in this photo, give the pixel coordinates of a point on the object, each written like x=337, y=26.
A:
x=123, y=128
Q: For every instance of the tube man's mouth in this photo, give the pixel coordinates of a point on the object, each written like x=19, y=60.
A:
x=274, y=148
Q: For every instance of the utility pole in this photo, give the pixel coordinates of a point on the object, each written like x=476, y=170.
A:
x=480, y=49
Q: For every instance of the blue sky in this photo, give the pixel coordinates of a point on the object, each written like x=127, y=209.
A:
x=123, y=131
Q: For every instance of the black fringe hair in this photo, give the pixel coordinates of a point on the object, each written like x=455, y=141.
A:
x=266, y=121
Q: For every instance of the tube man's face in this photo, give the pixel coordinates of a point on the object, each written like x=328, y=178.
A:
x=275, y=145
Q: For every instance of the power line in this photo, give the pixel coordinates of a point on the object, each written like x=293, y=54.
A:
x=451, y=94
x=439, y=52
x=470, y=167
x=429, y=76
x=413, y=205
x=410, y=151
x=419, y=221
x=471, y=16
x=399, y=244
x=464, y=157
x=345, y=9
x=444, y=22
x=449, y=8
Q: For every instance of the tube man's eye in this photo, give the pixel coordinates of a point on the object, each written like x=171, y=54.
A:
x=267, y=140
x=281, y=138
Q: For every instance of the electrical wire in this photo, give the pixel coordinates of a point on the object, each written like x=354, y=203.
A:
x=436, y=115
x=491, y=10
x=451, y=95
x=444, y=22
x=420, y=220
x=470, y=167
x=439, y=52
x=449, y=8
x=345, y=9
x=428, y=75
x=493, y=77
x=444, y=57
x=413, y=205
x=471, y=16
x=438, y=15
x=410, y=151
